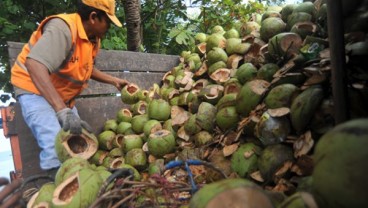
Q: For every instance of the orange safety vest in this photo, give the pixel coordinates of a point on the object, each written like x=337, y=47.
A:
x=73, y=76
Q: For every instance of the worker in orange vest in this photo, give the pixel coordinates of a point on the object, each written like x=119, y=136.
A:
x=55, y=66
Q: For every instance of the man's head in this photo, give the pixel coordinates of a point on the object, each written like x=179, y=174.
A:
x=97, y=16
x=108, y=6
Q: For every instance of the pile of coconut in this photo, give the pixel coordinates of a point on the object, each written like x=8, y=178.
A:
x=240, y=115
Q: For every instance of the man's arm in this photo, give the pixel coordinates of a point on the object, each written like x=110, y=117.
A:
x=41, y=79
x=108, y=79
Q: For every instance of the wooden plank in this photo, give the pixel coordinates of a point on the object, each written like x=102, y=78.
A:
x=143, y=79
x=135, y=61
x=112, y=60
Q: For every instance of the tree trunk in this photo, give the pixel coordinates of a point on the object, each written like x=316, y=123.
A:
x=133, y=23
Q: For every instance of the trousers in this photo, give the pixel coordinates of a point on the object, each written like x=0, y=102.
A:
x=41, y=119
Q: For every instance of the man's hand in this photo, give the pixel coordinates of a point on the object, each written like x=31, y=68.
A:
x=120, y=83
x=69, y=121
x=10, y=195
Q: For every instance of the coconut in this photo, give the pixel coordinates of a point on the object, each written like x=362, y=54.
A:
x=116, y=152
x=129, y=94
x=156, y=167
x=230, y=193
x=296, y=17
x=271, y=27
x=139, y=107
x=269, y=14
x=136, y=174
x=281, y=96
x=286, y=11
x=124, y=114
x=106, y=139
x=299, y=199
x=217, y=29
x=110, y=124
x=304, y=29
x=216, y=54
x=42, y=198
x=245, y=73
x=190, y=126
x=124, y=128
x=284, y=44
x=341, y=167
x=267, y=71
x=206, y=116
x=272, y=130
x=215, y=66
x=226, y=100
x=136, y=158
x=304, y=106
x=232, y=33
x=232, y=86
x=138, y=122
x=202, y=138
x=159, y=109
x=272, y=159
x=78, y=190
x=221, y=76
x=69, y=167
x=244, y=159
x=211, y=93
x=99, y=157
x=307, y=7
x=151, y=126
x=215, y=40
x=161, y=143
x=168, y=126
x=132, y=141
x=227, y=118
x=69, y=145
x=250, y=96
x=200, y=38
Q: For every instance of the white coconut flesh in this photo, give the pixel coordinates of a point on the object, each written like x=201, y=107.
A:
x=65, y=192
x=131, y=89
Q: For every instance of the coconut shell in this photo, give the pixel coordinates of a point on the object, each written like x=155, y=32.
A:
x=244, y=159
x=136, y=158
x=161, y=143
x=159, y=109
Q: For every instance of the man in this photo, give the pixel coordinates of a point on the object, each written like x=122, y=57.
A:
x=55, y=66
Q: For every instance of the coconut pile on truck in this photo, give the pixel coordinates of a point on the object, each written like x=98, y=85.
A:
x=235, y=123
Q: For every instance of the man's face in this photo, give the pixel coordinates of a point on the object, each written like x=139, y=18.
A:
x=101, y=26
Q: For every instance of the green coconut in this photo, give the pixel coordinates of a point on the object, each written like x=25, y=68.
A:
x=139, y=107
x=232, y=33
x=304, y=106
x=286, y=11
x=246, y=72
x=244, y=159
x=206, y=116
x=284, y=44
x=272, y=159
x=304, y=29
x=78, y=190
x=160, y=143
x=124, y=114
x=234, y=192
x=129, y=94
x=307, y=7
x=168, y=126
x=69, y=145
x=151, y=126
x=98, y=157
x=138, y=122
x=69, y=167
x=227, y=118
x=136, y=158
x=132, y=141
x=106, y=139
x=215, y=40
x=190, y=126
x=250, y=96
x=251, y=27
x=281, y=96
x=110, y=124
x=271, y=27
x=232, y=86
x=200, y=38
x=156, y=167
x=215, y=66
x=217, y=29
x=116, y=152
x=267, y=71
x=269, y=14
x=211, y=93
x=43, y=197
x=159, y=109
x=226, y=101
x=296, y=17
x=299, y=200
x=272, y=130
x=216, y=54
x=124, y=128
x=202, y=138
x=136, y=174
x=340, y=166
